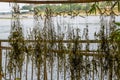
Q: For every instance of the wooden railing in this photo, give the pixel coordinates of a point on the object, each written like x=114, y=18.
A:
x=83, y=52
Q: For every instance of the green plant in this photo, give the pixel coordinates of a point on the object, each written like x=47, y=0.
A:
x=16, y=55
x=115, y=42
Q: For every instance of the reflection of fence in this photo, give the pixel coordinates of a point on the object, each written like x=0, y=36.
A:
x=0, y=61
x=83, y=52
x=91, y=52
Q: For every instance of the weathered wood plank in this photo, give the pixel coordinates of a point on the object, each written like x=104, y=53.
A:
x=53, y=1
x=82, y=52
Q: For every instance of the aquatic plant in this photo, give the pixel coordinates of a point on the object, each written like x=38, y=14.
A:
x=48, y=48
x=16, y=40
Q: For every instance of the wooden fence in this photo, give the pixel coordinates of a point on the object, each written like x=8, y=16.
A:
x=53, y=1
x=84, y=52
x=91, y=53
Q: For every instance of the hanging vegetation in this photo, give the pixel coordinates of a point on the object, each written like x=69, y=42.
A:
x=56, y=51
x=17, y=54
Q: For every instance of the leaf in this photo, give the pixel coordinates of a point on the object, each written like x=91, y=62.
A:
x=117, y=23
x=115, y=35
x=114, y=5
x=93, y=9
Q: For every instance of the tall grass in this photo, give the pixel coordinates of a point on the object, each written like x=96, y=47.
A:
x=52, y=59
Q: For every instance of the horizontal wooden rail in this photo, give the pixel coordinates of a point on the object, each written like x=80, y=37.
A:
x=53, y=1
x=84, y=52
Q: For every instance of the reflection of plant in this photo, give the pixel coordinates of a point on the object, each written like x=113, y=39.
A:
x=115, y=41
x=16, y=56
x=109, y=6
x=117, y=23
x=75, y=56
x=16, y=40
x=107, y=62
x=45, y=46
x=115, y=35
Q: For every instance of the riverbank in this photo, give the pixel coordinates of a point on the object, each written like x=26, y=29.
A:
x=22, y=16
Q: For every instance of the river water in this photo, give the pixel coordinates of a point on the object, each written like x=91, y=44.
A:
x=76, y=22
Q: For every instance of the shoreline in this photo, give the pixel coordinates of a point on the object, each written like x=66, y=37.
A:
x=22, y=16
x=30, y=16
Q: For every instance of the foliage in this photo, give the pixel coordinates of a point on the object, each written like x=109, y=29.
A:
x=117, y=23
x=18, y=48
x=115, y=35
x=27, y=7
x=59, y=8
x=94, y=8
x=115, y=42
x=16, y=40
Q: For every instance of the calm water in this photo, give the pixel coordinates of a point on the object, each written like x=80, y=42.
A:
x=77, y=22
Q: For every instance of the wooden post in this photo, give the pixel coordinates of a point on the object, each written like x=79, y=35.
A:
x=0, y=61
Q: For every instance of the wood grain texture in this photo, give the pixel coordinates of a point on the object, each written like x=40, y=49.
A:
x=53, y=1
